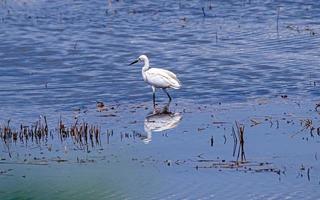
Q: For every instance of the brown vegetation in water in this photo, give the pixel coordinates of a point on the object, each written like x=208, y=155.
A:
x=82, y=134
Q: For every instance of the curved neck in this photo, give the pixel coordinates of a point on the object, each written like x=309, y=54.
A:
x=146, y=65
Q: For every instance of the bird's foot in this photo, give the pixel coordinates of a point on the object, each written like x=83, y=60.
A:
x=165, y=110
x=156, y=111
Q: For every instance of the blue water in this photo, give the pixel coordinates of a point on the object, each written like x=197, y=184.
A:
x=138, y=161
x=57, y=58
x=72, y=53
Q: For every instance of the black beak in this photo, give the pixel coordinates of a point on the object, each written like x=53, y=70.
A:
x=134, y=62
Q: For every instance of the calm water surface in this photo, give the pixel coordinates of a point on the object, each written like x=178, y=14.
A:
x=60, y=56
x=163, y=157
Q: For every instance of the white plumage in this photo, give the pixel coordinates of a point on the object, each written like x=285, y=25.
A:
x=161, y=78
x=158, y=78
x=159, y=123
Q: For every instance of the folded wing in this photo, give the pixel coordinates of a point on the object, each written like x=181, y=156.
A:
x=163, y=78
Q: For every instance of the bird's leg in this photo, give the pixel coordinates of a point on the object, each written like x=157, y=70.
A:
x=154, y=100
x=167, y=94
x=154, y=97
x=166, y=107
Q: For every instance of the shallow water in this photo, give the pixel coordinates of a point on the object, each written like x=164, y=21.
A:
x=137, y=161
x=59, y=57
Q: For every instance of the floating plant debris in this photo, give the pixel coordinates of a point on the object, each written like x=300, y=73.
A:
x=101, y=106
x=238, y=165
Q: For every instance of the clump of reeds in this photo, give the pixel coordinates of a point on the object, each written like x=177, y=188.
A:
x=308, y=125
x=238, y=135
x=84, y=134
x=39, y=130
x=36, y=132
x=5, y=131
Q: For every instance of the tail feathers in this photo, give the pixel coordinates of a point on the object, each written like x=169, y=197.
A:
x=176, y=84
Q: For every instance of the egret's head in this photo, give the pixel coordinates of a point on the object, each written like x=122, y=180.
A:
x=142, y=58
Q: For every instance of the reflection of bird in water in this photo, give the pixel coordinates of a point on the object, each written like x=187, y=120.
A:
x=158, y=78
x=160, y=122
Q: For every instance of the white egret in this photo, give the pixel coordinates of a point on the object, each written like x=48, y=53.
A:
x=159, y=123
x=158, y=78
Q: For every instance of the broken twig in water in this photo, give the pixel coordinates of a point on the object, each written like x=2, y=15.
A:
x=239, y=137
